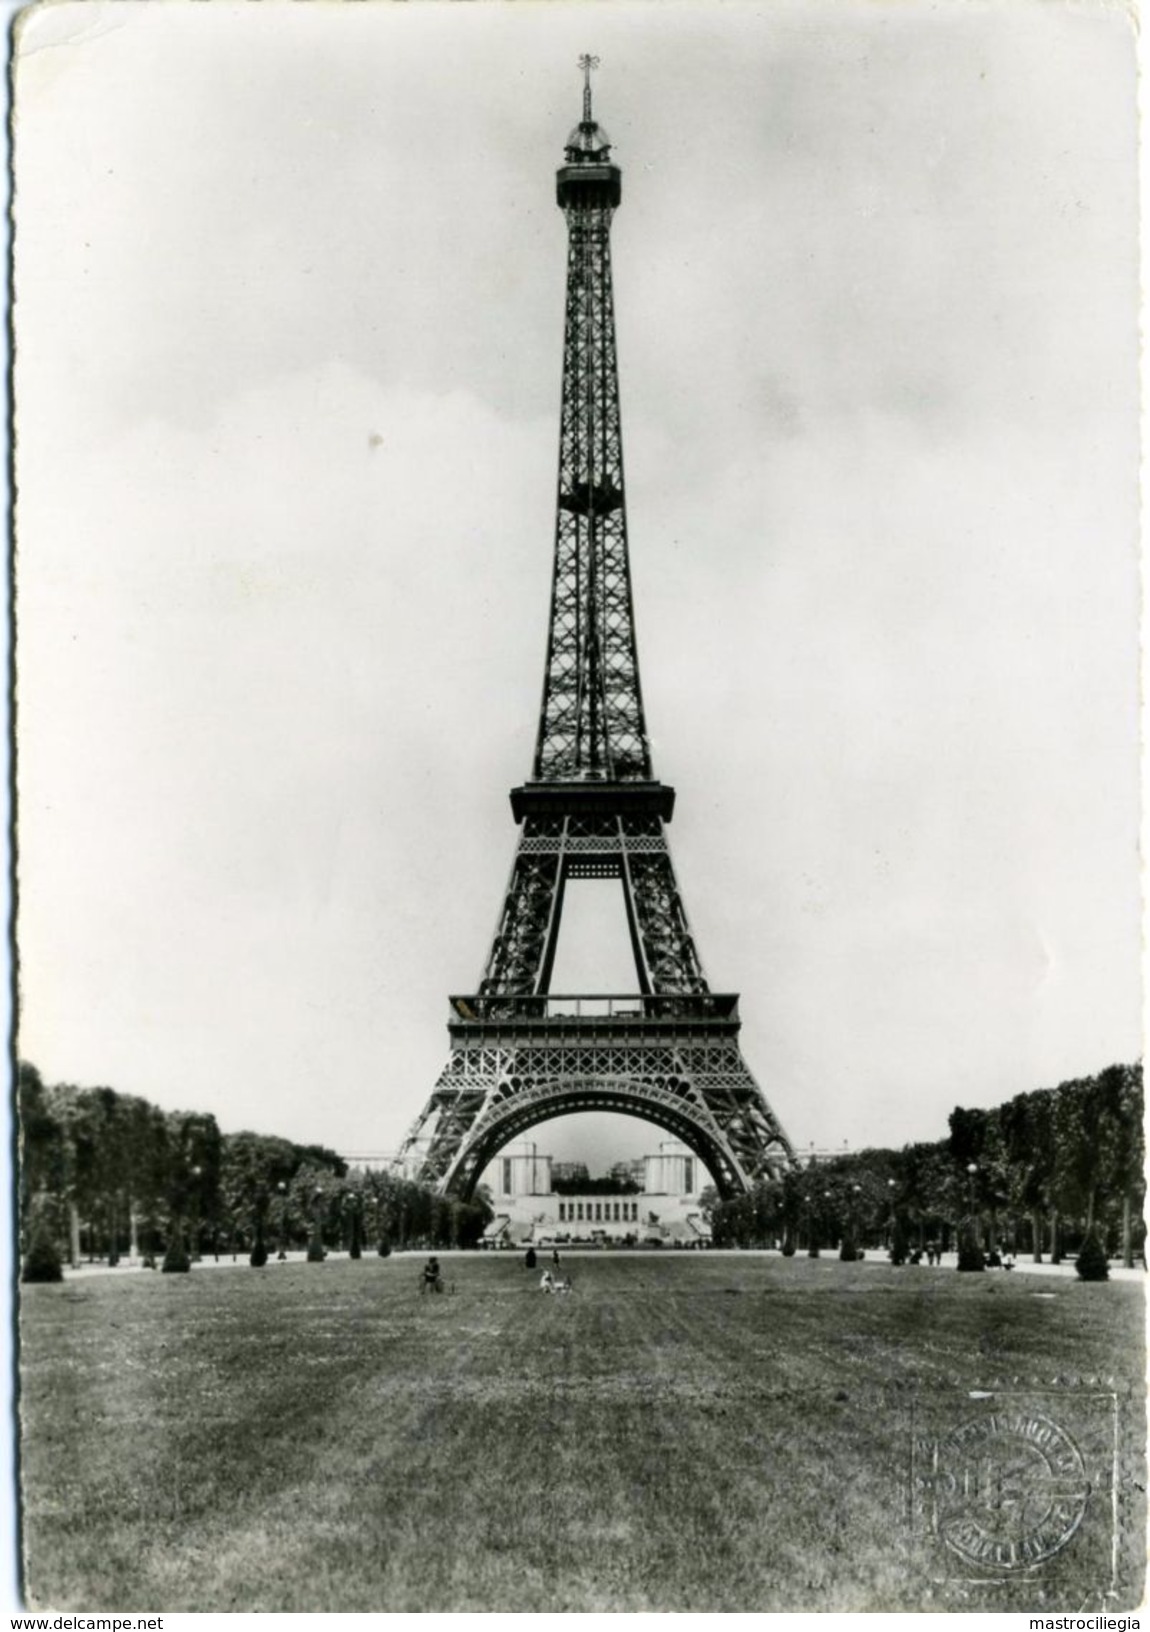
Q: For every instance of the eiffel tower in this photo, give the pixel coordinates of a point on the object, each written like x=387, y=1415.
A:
x=668, y=1053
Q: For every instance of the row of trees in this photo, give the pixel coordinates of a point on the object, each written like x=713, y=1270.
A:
x=104, y=1173
x=1039, y=1174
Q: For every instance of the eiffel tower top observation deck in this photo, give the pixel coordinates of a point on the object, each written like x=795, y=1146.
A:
x=668, y=1052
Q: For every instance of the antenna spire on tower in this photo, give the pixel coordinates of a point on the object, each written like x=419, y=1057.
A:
x=587, y=62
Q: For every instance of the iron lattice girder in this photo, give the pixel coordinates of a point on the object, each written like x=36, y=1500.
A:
x=495, y=1087
x=591, y=719
x=669, y=1054
x=552, y=849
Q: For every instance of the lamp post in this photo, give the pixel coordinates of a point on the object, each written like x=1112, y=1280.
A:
x=812, y=1244
x=281, y=1191
x=970, y=1254
x=315, y=1245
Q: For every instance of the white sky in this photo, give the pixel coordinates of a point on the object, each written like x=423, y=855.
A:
x=289, y=314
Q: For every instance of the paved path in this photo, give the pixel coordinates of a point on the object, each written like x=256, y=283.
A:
x=1064, y=1270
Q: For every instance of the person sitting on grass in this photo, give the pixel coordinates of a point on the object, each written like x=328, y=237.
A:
x=432, y=1276
x=546, y=1284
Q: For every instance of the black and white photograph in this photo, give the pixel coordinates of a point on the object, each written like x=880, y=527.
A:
x=575, y=734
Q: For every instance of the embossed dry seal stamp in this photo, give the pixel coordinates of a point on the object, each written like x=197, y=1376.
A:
x=1018, y=1487
x=1009, y=1490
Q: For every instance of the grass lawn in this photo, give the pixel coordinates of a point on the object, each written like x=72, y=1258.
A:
x=688, y=1432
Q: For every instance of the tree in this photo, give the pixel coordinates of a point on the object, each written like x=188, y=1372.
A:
x=258, y=1256
x=1027, y=1128
x=1078, y=1154
x=975, y=1151
x=193, y=1153
x=41, y=1261
x=1091, y=1263
x=42, y=1168
x=176, y=1260
x=927, y=1193
x=41, y=1157
x=790, y=1209
x=353, y=1212
x=1122, y=1148
x=970, y=1254
x=252, y=1168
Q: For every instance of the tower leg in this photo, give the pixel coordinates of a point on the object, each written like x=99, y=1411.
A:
x=523, y=950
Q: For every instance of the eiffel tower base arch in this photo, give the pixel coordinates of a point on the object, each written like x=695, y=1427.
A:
x=690, y=1080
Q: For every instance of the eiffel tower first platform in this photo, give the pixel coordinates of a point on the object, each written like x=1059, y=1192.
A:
x=668, y=1053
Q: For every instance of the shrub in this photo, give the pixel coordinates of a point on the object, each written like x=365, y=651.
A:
x=259, y=1256
x=969, y=1256
x=1091, y=1262
x=384, y=1247
x=42, y=1261
x=176, y=1260
x=789, y=1247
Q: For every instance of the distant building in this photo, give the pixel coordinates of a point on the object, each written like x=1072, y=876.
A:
x=664, y=1213
x=518, y=1171
x=812, y=1157
x=379, y=1161
x=675, y=1171
x=570, y=1172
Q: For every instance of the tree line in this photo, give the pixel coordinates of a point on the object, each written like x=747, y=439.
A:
x=103, y=1173
x=1037, y=1175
